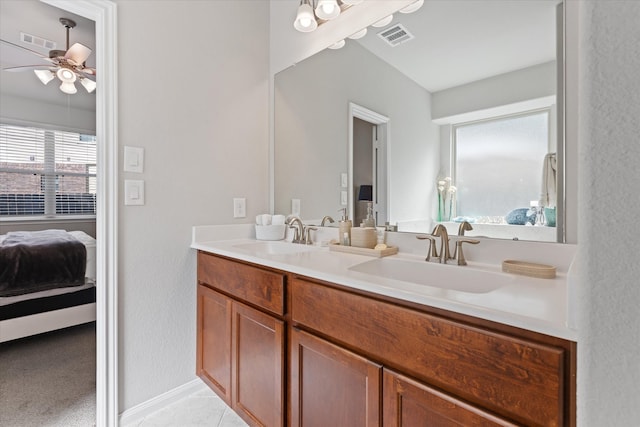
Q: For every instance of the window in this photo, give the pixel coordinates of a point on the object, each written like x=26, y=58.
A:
x=46, y=172
x=498, y=164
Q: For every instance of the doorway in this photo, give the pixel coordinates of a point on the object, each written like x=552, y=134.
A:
x=103, y=13
x=368, y=157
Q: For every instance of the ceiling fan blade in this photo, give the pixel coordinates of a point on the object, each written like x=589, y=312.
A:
x=28, y=68
x=78, y=53
x=88, y=71
x=38, y=54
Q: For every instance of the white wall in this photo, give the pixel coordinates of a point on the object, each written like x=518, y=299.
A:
x=193, y=91
x=25, y=111
x=609, y=238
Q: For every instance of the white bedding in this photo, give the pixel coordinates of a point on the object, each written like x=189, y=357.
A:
x=90, y=244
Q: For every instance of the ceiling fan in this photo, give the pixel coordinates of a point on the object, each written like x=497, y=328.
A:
x=68, y=65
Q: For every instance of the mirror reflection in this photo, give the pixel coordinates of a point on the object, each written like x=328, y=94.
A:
x=457, y=121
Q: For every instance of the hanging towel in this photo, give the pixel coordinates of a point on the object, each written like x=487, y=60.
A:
x=549, y=189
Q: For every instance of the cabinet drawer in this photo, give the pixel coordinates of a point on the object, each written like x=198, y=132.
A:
x=513, y=377
x=254, y=285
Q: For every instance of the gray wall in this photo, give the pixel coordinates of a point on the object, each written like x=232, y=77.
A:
x=609, y=241
x=195, y=97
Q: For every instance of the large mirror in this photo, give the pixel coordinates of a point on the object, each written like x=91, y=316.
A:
x=446, y=114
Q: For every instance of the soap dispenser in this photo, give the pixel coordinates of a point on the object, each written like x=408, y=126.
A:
x=344, y=227
x=369, y=221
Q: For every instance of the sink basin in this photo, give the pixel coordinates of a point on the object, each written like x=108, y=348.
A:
x=274, y=247
x=452, y=277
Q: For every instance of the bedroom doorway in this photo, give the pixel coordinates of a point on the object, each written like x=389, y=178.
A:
x=103, y=13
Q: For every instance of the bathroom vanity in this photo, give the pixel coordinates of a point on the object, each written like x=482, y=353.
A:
x=298, y=339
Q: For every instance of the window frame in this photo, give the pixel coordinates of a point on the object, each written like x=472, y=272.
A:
x=453, y=155
x=52, y=217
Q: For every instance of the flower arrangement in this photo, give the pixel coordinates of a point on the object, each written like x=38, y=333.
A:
x=446, y=195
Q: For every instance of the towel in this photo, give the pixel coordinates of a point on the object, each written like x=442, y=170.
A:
x=549, y=182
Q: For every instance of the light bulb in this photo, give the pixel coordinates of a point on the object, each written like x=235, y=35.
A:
x=337, y=45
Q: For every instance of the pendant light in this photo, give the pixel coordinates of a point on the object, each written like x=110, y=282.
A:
x=305, y=20
x=327, y=9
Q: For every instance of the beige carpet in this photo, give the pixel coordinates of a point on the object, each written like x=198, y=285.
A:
x=49, y=379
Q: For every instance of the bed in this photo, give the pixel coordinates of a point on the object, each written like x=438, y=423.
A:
x=48, y=284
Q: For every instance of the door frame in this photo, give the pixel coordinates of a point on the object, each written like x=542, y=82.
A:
x=382, y=122
x=103, y=13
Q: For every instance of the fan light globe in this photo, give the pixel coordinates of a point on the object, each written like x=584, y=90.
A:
x=88, y=84
x=305, y=21
x=66, y=75
x=45, y=76
x=327, y=9
x=68, y=87
x=351, y=2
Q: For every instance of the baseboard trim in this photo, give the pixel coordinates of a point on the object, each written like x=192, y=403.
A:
x=139, y=412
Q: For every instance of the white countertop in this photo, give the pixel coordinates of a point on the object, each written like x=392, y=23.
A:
x=539, y=305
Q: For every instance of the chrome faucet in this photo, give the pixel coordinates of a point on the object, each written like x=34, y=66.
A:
x=441, y=231
x=325, y=219
x=298, y=228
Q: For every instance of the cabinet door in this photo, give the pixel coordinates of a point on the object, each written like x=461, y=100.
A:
x=408, y=403
x=258, y=366
x=331, y=386
x=213, y=359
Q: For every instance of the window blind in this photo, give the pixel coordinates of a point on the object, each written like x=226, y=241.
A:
x=46, y=172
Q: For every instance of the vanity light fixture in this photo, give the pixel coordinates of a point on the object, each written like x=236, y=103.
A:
x=358, y=35
x=305, y=20
x=337, y=45
x=412, y=7
x=383, y=22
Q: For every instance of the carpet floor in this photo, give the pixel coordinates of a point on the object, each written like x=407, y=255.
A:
x=49, y=379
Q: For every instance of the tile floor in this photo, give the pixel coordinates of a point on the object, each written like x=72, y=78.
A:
x=201, y=409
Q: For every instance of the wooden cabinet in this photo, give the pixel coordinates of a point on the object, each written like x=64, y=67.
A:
x=519, y=376
x=331, y=386
x=408, y=403
x=240, y=350
x=360, y=359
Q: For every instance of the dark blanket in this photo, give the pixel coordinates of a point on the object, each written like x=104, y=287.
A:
x=40, y=260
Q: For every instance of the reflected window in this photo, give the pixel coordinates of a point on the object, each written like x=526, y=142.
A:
x=498, y=164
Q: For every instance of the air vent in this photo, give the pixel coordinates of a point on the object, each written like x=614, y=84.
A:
x=395, y=35
x=37, y=41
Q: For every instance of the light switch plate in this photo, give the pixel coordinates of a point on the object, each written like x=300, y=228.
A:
x=343, y=198
x=239, y=208
x=133, y=159
x=133, y=192
x=295, y=207
x=344, y=180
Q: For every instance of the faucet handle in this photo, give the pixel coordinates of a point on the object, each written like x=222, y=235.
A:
x=433, y=250
x=464, y=226
x=459, y=255
x=307, y=234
